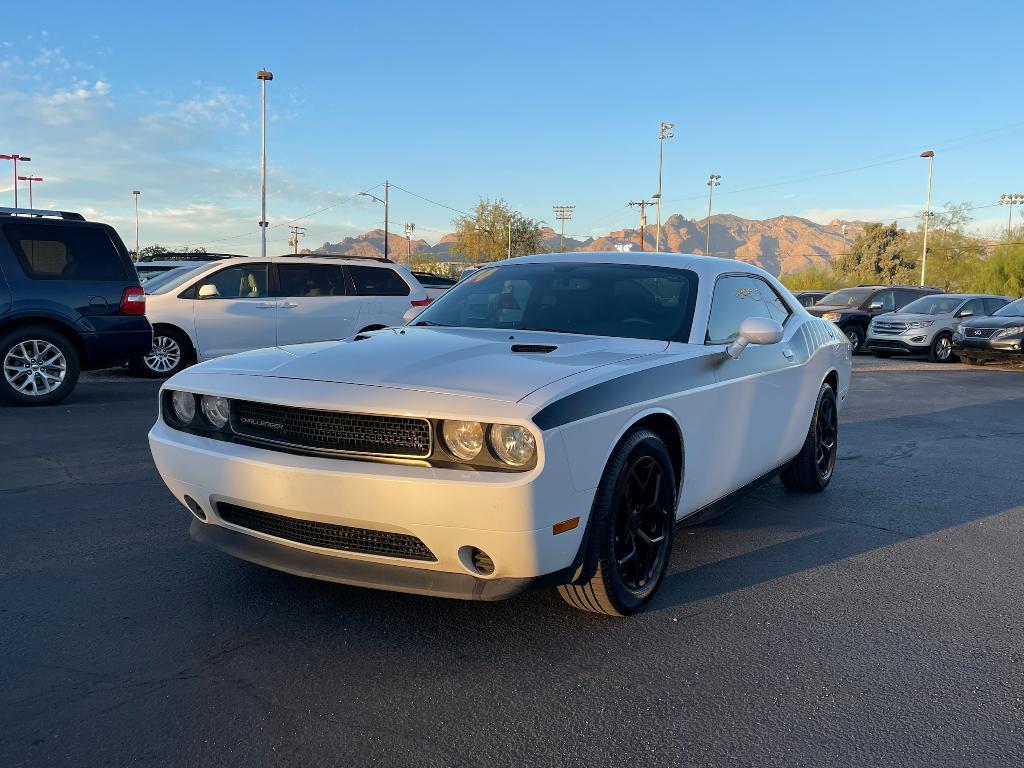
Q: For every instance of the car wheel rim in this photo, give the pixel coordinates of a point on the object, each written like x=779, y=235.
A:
x=641, y=524
x=35, y=367
x=942, y=348
x=828, y=437
x=164, y=356
x=854, y=339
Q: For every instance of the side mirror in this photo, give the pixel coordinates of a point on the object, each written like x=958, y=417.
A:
x=875, y=305
x=755, y=330
x=208, y=291
x=411, y=314
x=965, y=313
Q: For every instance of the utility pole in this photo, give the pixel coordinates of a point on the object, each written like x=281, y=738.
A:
x=135, y=194
x=563, y=212
x=297, y=232
x=713, y=181
x=927, y=211
x=30, y=179
x=1009, y=201
x=664, y=133
x=642, y=205
x=409, y=229
x=16, y=158
x=383, y=202
x=264, y=76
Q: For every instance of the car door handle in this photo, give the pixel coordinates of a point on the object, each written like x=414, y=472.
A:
x=287, y=305
x=787, y=353
x=266, y=305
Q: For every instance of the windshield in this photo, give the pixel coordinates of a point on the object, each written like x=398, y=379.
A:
x=1013, y=309
x=846, y=297
x=622, y=300
x=171, y=279
x=933, y=305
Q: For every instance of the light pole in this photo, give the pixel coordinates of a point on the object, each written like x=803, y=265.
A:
x=30, y=179
x=927, y=211
x=510, y=220
x=409, y=229
x=263, y=76
x=16, y=158
x=664, y=133
x=713, y=181
x=383, y=202
x=135, y=194
x=1010, y=201
x=563, y=212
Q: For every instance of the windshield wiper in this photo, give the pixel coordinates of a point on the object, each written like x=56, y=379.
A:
x=554, y=330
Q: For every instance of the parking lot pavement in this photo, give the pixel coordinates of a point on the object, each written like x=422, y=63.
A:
x=876, y=624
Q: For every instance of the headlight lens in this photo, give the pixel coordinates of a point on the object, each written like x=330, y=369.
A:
x=512, y=444
x=833, y=316
x=919, y=323
x=1014, y=330
x=216, y=410
x=184, y=406
x=465, y=439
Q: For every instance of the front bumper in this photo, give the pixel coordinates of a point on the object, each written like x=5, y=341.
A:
x=993, y=350
x=897, y=344
x=509, y=516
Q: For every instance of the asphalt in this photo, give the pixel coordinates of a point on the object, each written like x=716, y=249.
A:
x=877, y=624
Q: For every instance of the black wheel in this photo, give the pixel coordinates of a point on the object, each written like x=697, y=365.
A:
x=941, y=350
x=883, y=355
x=41, y=366
x=633, y=519
x=812, y=469
x=171, y=352
x=855, y=335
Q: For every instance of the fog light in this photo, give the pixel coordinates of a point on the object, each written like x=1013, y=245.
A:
x=195, y=509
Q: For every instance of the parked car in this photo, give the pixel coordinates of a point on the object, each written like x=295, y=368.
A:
x=999, y=338
x=434, y=285
x=925, y=326
x=852, y=308
x=540, y=442
x=247, y=303
x=810, y=298
x=147, y=270
x=69, y=300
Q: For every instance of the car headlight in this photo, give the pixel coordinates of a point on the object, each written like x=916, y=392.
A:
x=1013, y=330
x=919, y=323
x=184, y=406
x=217, y=410
x=513, y=444
x=832, y=316
x=465, y=439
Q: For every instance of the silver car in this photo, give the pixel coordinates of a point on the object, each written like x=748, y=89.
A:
x=925, y=326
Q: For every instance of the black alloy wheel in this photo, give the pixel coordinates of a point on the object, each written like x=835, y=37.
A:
x=812, y=469
x=642, y=520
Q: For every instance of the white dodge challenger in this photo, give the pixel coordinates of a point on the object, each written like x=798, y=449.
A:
x=547, y=422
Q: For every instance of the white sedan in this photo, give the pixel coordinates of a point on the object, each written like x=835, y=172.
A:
x=548, y=422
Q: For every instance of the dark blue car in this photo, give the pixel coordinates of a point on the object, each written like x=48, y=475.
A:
x=70, y=300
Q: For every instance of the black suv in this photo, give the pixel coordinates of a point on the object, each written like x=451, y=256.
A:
x=69, y=299
x=852, y=308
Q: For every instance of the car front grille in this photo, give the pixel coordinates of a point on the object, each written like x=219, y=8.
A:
x=332, y=431
x=978, y=333
x=889, y=328
x=343, y=538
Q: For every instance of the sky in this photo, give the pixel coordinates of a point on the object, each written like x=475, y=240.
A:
x=808, y=109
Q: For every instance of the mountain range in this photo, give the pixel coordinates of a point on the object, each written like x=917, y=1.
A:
x=783, y=244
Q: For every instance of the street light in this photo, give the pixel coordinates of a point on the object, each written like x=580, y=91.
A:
x=664, y=133
x=383, y=202
x=135, y=194
x=1010, y=201
x=410, y=227
x=713, y=181
x=30, y=179
x=16, y=158
x=263, y=76
x=927, y=211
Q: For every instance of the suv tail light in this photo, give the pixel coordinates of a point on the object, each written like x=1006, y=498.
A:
x=420, y=302
x=133, y=301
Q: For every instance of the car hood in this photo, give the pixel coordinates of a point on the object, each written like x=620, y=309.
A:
x=471, y=362
x=992, y=322
x=911, y=317
x=819, y=309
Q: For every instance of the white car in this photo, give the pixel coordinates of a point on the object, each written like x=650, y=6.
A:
x=240, y=304
x=547, y=422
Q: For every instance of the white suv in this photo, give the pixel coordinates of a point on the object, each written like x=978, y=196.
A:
x=235, y=305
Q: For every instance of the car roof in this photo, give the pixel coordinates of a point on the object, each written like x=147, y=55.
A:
x=704, y=266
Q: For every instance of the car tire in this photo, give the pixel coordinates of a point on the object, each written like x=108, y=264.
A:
x=855, y=335
x=629, y=541
x=171, y=352
x=33, y=358
x=812, y=469
x=941, y=350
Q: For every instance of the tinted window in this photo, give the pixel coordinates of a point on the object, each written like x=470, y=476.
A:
x=1013, y=309
x=311, y=280
x=53, y=252
x=736, y=298
x=886, y=298
x=975, y=307
x=169, y=280
x=621, y=300
x=846, y=297
x=933, y=305
x=433, y=281
x=377, y=281
x=776, y=306
x=994, y=305
x=905, y=297
x=248, y=282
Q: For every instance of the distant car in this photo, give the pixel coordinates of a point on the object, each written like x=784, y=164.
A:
x=999, y=338
x=810, y=298
x=166, y=256
x=495, y=447
x=852, y=308
x=147, y=270
x=434, y=285
x=235, y=305
x=925, y=326
x=69, y=300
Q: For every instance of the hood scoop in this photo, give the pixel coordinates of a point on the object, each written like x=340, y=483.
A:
x=535, y=349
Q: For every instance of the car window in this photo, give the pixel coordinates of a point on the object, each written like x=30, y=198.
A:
x=975, y=306
x=933, y=305
x=904, y=297
x=53, y=252
x=994, y=305
x=736, y=298
x=433, y=281
x=241, y=282
x=377, y=281
x=621, y=300
x=1013, y=309
x=886, y=298
x=846, y=297
x=777, y=308
x=310, y=280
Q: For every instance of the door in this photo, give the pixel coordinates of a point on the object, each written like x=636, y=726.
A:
x=755, y=394
x=239, y=316
x=883, y=301
x=313, y=303
x=384, y=295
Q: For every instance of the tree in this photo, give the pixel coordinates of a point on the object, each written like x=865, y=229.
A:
x=880, y=255
x=156, y=249
x=1003, y=271
x=814, y=277
x=954, y=257
x=483, y=235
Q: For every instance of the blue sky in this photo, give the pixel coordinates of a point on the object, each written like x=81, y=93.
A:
x=538, y=103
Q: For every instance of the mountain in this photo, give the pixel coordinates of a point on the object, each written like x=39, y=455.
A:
x=783, y=244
